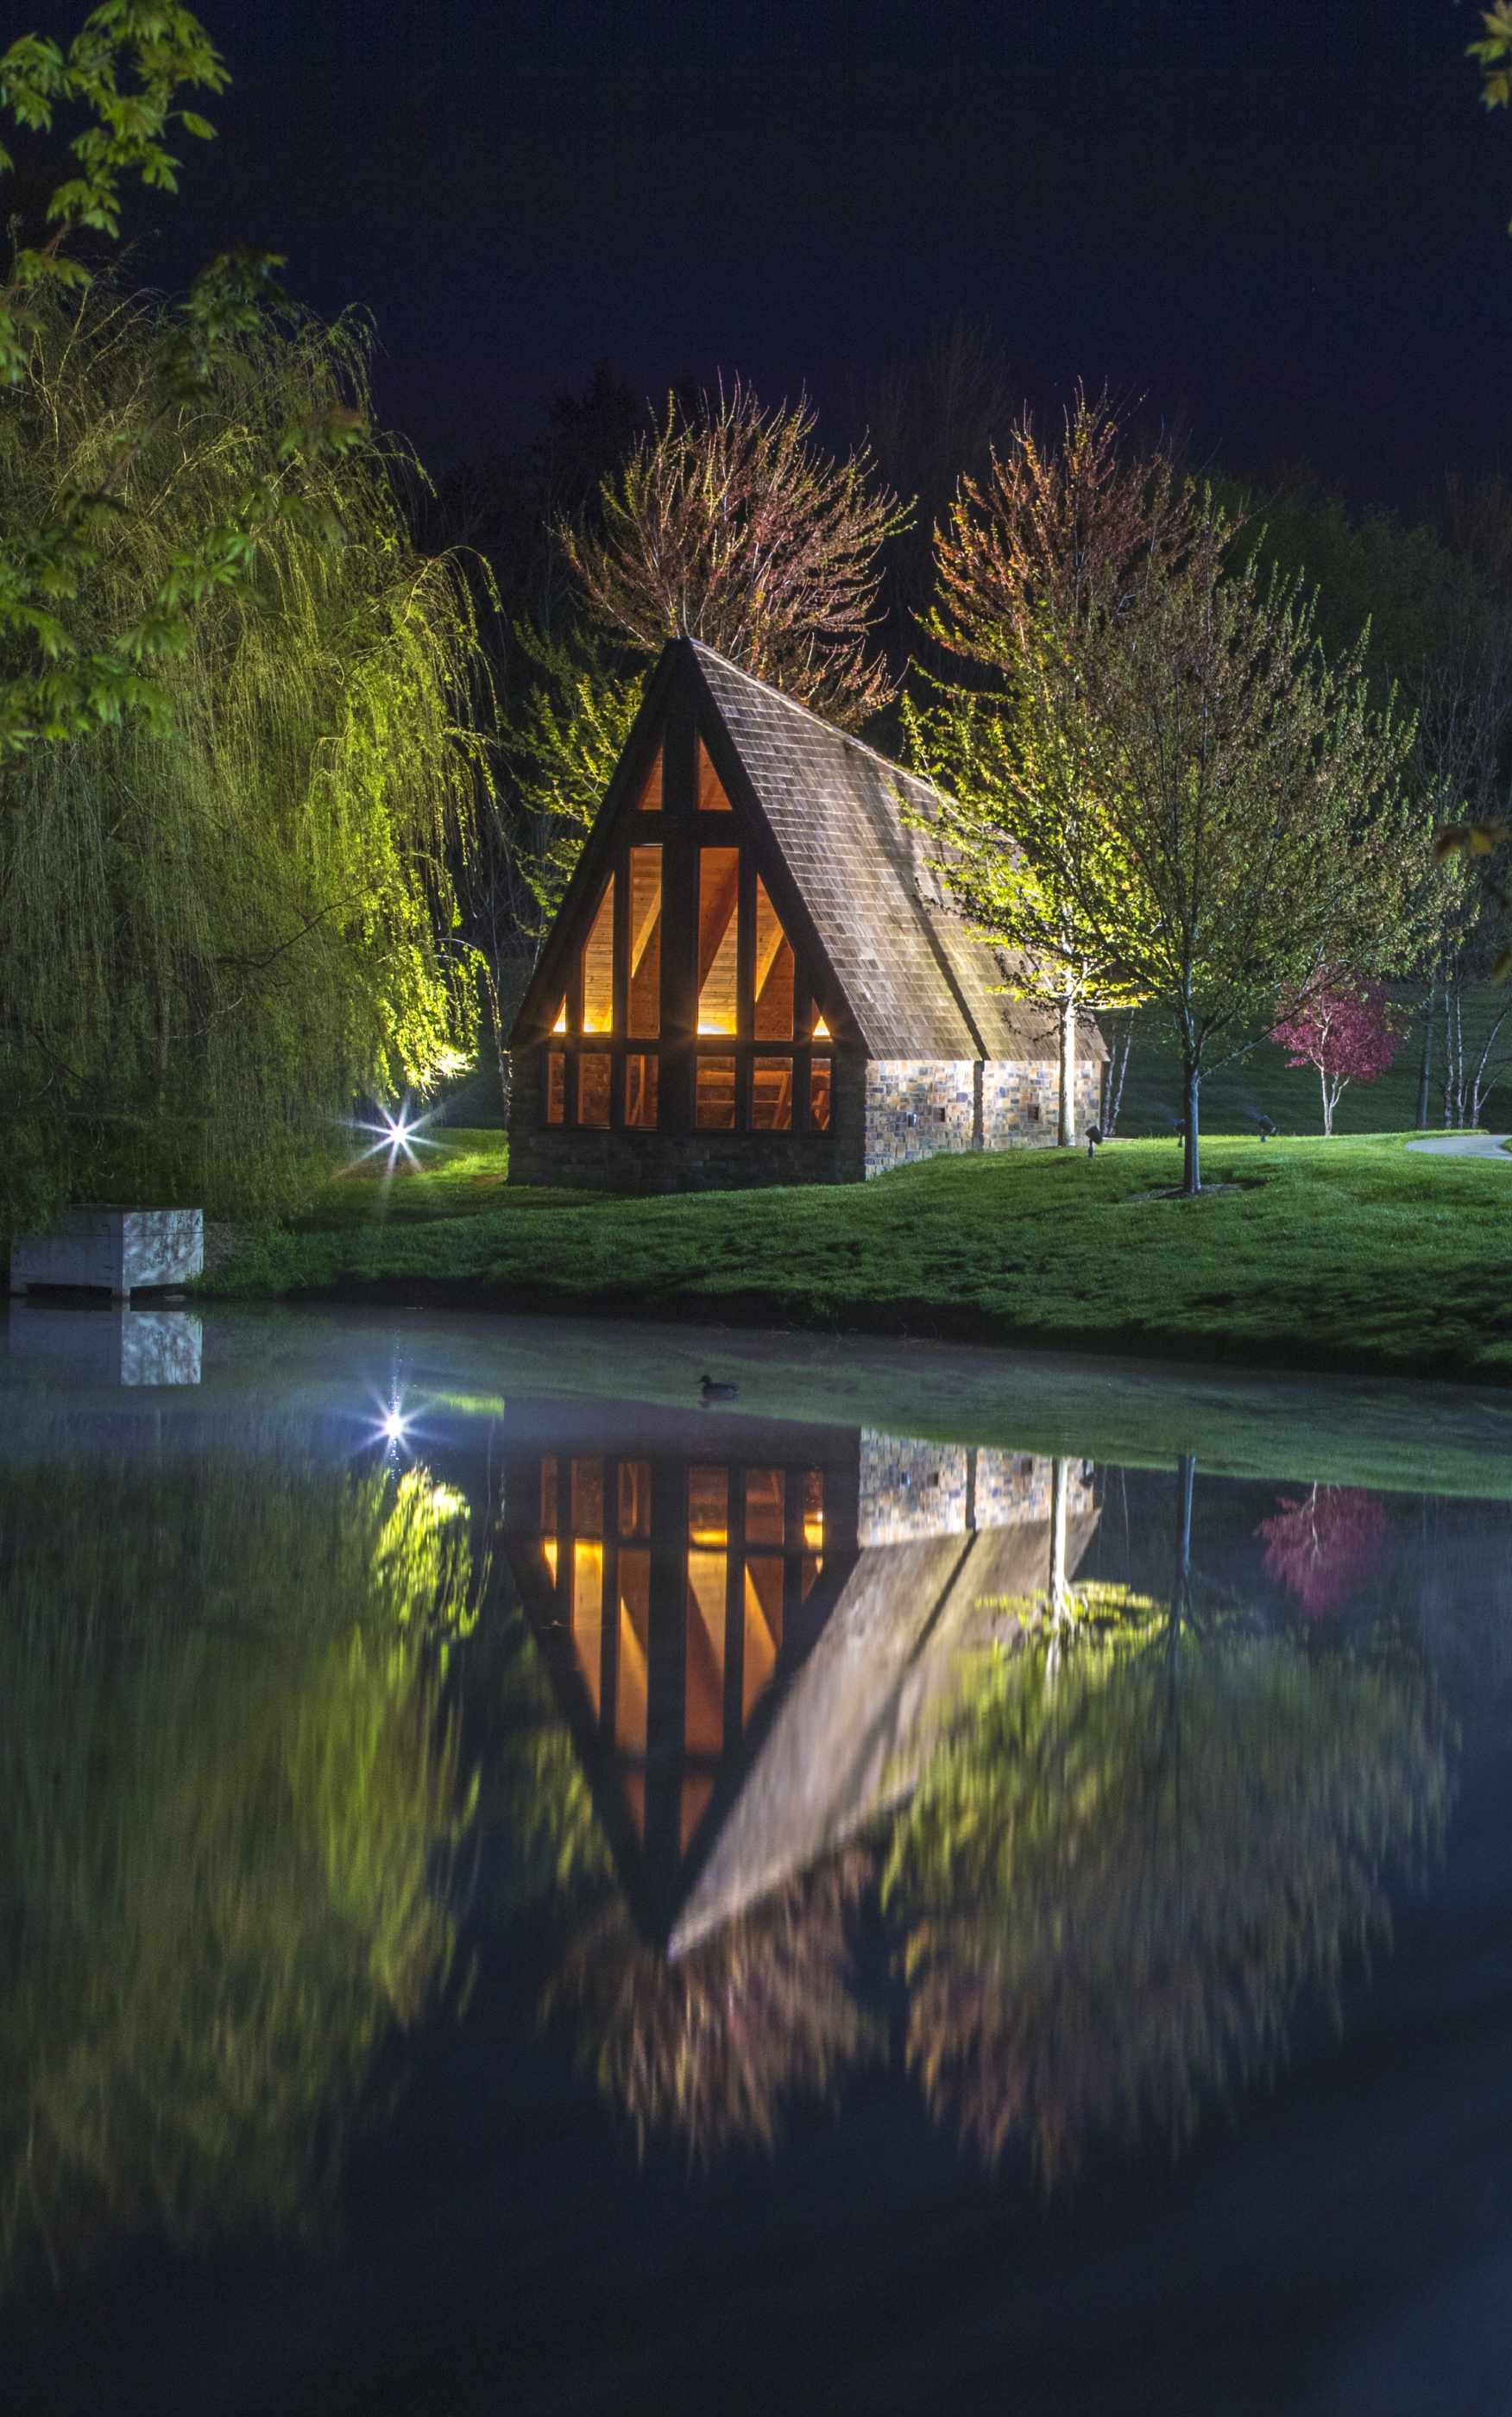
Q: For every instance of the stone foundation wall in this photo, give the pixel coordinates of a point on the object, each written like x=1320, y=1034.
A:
x=1021, y=1101
x=911, y=1490
x=917, y=1107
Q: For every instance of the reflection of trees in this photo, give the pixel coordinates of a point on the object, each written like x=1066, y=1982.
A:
x=704, y=2048
x=707, y=2048
x=227, y=1794
x=1326, y=1546
x=1119, y=1871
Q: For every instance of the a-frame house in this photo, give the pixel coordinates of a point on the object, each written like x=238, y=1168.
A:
x=755, y=977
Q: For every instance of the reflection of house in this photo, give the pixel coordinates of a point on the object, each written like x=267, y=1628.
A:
x=754, y=977
x=748, y=1647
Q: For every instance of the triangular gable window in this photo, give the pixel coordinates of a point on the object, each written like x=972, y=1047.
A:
x=711, y=796
x=685, y=1003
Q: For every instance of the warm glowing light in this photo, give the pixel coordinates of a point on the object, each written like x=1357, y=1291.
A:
x=560, y=1026
x=822, y=1031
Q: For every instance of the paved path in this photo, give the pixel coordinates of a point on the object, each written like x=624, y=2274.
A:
x=1470, y=1145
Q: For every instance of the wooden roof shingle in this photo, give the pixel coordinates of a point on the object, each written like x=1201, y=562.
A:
x=918, y=984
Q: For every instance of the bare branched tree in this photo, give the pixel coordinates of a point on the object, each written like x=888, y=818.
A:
x=731, y=526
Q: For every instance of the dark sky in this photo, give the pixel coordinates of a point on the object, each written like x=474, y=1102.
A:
x=1286, y=218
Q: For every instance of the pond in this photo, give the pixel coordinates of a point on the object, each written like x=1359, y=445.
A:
x=566, y=1868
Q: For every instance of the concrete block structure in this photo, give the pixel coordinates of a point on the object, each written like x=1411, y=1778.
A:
x=118, y=1250
x=756, y=975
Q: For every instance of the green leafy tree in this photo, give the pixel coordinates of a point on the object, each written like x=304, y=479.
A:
x=1187, y=805
x=222, y=920
x=125, y=71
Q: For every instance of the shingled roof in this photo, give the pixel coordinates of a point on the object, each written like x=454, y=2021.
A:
x=917, y=982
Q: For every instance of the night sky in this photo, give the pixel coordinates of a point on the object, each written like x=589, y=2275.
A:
x=1283, y=219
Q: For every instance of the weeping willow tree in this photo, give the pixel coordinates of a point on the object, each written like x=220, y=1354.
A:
x=228, y=917
x=230, y=1801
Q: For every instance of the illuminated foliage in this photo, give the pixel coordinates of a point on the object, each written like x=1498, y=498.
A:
x=1125, y=1860
x=1168, y=794
x=125, y=71
x=220, y=925
x=230, y=1796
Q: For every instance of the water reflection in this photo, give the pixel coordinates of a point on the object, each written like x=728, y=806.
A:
x=1119, y=1834
x=228, y=1794
x=1052, y=1790
x=1128, y=1854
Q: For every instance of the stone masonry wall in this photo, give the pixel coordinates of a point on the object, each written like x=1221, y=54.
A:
x=915, y=1108
x=911, y=1490
x=1021, y=1101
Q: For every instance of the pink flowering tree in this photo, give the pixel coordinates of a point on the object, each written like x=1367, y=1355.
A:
x=1345, y=1026
x=1326, y=1546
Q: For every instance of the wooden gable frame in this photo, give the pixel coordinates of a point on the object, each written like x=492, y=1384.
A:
x=677, y=713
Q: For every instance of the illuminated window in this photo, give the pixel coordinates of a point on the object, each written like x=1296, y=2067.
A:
x=819, y=1094
x=651, y=794
x=771, y=1095
x=593, y=1091
x=718, y=890
x=708, y=1506
x=635, y=1499
x=821, y=1030
x=645, y=943
x=696, y=1795
x=814, y=1530
x=764, y=1502
x=704, y=1680
x=587, y=1612
x=774, y=973
x=587, y=1497
x=633, y=1645
x=560, y=1026
x=599, y=967
x=716, y=1108
x=640, y=1091
x=711, y=796
x=555, y=1087
x=813, y=1510
x=763, y=1627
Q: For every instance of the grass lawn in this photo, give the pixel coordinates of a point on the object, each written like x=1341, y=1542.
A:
x=1348, y=1255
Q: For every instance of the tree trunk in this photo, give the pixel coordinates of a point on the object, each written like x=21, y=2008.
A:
x=1057, y=1537
x=1191, y=1178
x=1067, y=1134
x=1115, y=1096
x=1185, y=1471
x=1328, y=1105
x=1426, y=1068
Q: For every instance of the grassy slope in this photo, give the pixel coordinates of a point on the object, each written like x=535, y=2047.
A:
x=1343, y=1255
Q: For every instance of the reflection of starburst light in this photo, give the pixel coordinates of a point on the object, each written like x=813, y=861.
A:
x=400, y=1136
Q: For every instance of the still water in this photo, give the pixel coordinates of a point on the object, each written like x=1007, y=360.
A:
x=926, y=1881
